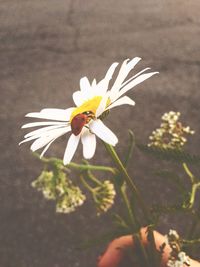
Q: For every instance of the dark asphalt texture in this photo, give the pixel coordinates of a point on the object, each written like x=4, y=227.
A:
x=46, y=47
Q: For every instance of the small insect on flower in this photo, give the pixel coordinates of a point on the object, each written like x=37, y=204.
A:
x=80, y=120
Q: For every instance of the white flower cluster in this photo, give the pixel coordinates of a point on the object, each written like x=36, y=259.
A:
x=173, y=234
x=171, y=134
x=69, y=201
x=44, y=184
x=104, y=195
x=177, y=257
x=59, y=188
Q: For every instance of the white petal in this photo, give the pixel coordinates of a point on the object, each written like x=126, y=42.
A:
x=97, y=127
x=28, y=139
x=79, y=98
x=52, y=114
x=86, y=89
x=46, y=134
x=39, y=143
x=40, y=123
x=124, y=71
x=133, y=77
x=102, y=106
x=89, y=144
x=71, y=148
x=85, y=85
x=44, y=129
x=122, y=101
x=45, y=139
x=46, y=147
x=102, y=87
x=94, y=83
x=36, y=136
x=110, y=71
x=64, y=114
x=135, y=82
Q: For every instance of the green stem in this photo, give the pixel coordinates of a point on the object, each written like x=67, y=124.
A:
x=93, y=178
x=91, y=167
x=193, y=194
x=86, y=184
x=136, y=192
x=128, y=206
x=190, y=242
x=189, y=173
x=128, y=180
x=81, y=167
x=130, y=148
x=120, y=221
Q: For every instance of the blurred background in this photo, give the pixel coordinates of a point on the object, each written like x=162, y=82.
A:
x=46, y=47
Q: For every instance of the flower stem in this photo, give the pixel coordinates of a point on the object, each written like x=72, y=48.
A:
x=128, y=180
x=189, y=173
x=136, y=192
x=83, y=167
x=86, y=184
x=128, y=206
x=190, y=242
x=193, y=194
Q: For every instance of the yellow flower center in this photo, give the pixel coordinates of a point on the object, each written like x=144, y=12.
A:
x=90, y=105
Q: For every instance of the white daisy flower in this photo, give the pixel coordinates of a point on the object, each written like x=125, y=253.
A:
x=84, y=120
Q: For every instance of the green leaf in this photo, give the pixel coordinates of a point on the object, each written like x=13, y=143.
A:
x=169, y=154
x=131, y=146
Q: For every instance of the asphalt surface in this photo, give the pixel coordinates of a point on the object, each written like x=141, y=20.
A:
x=45, y=47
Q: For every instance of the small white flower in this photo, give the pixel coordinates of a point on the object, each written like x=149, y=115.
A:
x=84, y=121
x=184, y=259
x=174, y=234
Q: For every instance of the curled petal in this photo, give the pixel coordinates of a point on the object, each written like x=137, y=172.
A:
x=52, y=132
x=44, y=130
x=135, y=82
x=124, y=71
x=125, y=100
x=46, y=147
x=45, y=139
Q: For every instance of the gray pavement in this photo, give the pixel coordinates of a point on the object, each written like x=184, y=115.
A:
x=45, y=47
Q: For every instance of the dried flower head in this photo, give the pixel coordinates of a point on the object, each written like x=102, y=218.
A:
x=60, y=188
x=44, y=183
x=171, y=134
x=70, y=200
x=104, y=195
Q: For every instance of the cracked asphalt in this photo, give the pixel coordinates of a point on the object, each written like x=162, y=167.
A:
x=45, y=47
